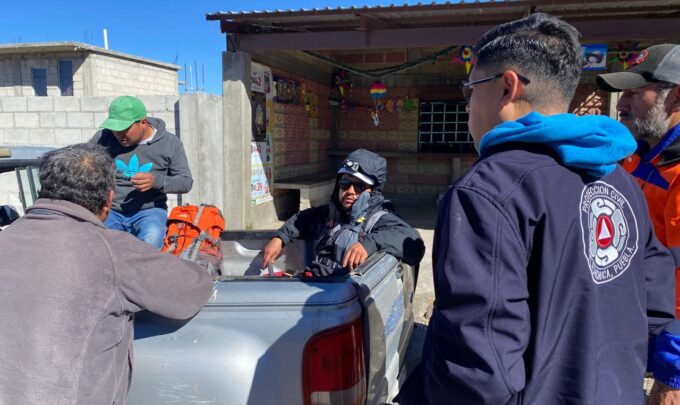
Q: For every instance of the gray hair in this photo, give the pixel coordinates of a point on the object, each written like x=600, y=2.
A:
x=541, y=47
x=82, y=174
x=656, y=122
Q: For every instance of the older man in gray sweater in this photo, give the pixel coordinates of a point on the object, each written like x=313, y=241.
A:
x=69, y=288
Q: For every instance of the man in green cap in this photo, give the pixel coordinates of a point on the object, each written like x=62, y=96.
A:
x=150, y=162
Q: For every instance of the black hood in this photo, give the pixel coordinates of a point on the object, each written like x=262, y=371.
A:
x=369, y=164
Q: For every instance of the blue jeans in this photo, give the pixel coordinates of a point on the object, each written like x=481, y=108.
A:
x=148, y=225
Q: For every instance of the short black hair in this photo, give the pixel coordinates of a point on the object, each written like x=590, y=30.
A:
x=82, y=174
x=541, y=47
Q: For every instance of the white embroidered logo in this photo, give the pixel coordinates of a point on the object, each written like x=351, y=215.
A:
x=609, y=230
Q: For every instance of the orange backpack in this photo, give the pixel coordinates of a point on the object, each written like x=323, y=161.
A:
x=194, y=234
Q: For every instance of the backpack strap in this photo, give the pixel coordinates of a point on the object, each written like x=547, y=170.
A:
x=198, y=214
x=372, y=220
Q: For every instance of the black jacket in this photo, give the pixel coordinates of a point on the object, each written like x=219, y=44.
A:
x=390, y=234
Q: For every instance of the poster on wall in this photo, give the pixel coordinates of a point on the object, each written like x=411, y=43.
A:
x=287, y=91
x=260, y=78
x=260, y=176
x=262, y=160
x=259, y=104
x=595, y=57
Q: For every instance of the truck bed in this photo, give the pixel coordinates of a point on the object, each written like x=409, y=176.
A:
x=246, y=345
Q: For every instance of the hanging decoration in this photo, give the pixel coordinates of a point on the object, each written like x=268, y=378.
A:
x=343, y=83
x=465, y=56
x=408, y=105
x=628, y=58
x=399, y=105
x=384, y=71
x=389, y=106
x=311, y=101
x=378, y=91
x=625, y=53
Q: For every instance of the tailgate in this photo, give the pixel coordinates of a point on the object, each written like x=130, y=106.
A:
x=244, y=347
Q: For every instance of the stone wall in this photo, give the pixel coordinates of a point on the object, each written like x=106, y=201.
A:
x=60, y=121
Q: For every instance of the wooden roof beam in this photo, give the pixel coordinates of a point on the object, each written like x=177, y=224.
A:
x=368, y=22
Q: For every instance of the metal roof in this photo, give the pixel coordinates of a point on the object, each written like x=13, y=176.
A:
x=435, y=14
x=70, y=46
x=425, y=25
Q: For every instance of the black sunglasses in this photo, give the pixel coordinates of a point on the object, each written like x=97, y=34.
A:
x=358, y=185
x=467, y=90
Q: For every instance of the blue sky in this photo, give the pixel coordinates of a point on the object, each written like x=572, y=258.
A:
x=173, y=31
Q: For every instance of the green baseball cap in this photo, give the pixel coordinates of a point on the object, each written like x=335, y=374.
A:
x=123, y=112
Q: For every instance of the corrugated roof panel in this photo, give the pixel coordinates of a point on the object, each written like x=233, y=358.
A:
x=349, y=8
x=459, y=13
x=406, y=9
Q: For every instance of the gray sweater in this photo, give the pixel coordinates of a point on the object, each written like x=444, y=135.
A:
x=163, y=156
x=69, y=288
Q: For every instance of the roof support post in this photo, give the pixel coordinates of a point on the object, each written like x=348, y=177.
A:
x=237, y=130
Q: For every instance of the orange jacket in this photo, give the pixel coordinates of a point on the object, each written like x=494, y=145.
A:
x=660, y=182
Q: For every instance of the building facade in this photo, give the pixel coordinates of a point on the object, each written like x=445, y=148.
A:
x=337, y=59
x=80, y=70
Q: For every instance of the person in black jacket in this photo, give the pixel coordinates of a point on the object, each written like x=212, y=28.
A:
x=548, y=277
x=356, y=223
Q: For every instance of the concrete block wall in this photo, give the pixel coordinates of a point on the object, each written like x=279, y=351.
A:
x=60, y=121
x=201, y=129
x=301, y=139
x=6, y=77
x=16, y=76
x=115, y=76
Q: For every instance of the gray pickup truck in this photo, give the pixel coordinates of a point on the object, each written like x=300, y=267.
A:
x=274, y=340
x=281, y=340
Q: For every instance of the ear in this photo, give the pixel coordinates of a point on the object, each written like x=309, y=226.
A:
x=512, y=87
x=674, y=99
x=106, y=208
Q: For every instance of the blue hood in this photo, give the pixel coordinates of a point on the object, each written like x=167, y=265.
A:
x=590, y=143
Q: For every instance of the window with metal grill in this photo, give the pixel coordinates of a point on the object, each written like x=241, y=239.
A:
x=443, y=127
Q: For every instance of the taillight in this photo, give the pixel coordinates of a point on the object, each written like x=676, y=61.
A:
x=333, y=371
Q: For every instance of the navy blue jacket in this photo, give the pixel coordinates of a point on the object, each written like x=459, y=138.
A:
x=548, y=284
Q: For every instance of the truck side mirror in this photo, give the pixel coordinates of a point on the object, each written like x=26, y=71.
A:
x=29, y=185
x=7, y=215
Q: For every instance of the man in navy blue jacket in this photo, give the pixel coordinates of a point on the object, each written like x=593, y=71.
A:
x=548, y=277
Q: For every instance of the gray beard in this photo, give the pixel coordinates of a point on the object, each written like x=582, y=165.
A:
x=654, y=125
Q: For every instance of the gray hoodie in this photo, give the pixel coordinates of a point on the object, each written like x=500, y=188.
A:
x=163, y=156
x=69, y=288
